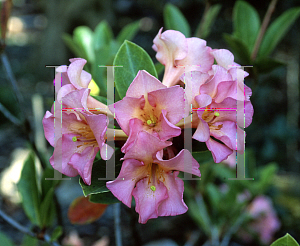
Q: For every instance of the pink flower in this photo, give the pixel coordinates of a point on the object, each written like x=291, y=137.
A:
x=83, y=135
x=150, y=106
x=265, y=222
x=175, y=51
x=152, y=181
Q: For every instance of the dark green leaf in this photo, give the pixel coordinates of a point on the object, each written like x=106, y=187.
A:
x=246, y=23
x=238, y=48
x=58, y=231
x=73, y=46
x=84, y=37
x=29, y=241
x=103, y=198
x=128, y=32
x=159, y=68
x=4, y=240
x=101, y=99
x=213, y=194
x=175, y=20
x=266, y=174
x=266, y=64
x=204, y=28
x=286, y=240
x=133, y=58
x=103, y=35
x=28, y=189
x=46, y=183
x=48, y=209
x=203, y=156
x=277, y=31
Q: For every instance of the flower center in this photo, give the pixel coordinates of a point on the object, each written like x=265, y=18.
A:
x=149, y=117
x=85, y=134
x=209, y=115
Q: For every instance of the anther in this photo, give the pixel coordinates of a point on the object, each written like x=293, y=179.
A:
x=74, y=139
x=217, y=114
x=153, y=188
x=149, y=122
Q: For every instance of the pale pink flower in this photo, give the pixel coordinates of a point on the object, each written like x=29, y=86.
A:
x=151, y=180
x=83, y=135
x=265, y=221
x=150, y=106
x=180, y=54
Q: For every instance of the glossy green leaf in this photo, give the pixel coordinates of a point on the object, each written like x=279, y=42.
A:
x=286, y=240
x=246, y=23
x=58, y=231
x=203, y=156
x=175, y=20
x=28, y=189
x=103, y=35
x=238, y=48
x=73, y=46
x=133, y=58
x=29, y=241
x=128, y=32
x=4, y=240
x=277, y=31
x=47, y=183
x=48, y=208
x=103, y=198
x=204, y=28
x=84, y=37
x=266, y=64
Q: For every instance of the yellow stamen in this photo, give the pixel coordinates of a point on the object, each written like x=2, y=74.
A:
x=149, y=122
x=217, y=114
x=153, y=188
x=74, y=139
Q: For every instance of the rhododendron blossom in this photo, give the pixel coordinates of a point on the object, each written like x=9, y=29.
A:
x=150, y=106
x=180, y=54
x=151, y=180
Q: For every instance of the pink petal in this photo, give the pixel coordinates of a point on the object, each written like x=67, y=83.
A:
x=122, y=187
x=83, y=163
x=145, y=147
x=223, y=57
x=135, y=126
x=202, y=132
x=63, y=151
x=219, y=151
x=79, y=78
x=126, y=109
x=203, y=100
x=147, y=201
x=98, y=125
x=227, y=134
x=198, y=57
x=174, y=204
x=172, y=100
x=168, y=130
x=183, y=161
x=64, y=90
x=77, y=99
x=48, y=124
x=106, y=152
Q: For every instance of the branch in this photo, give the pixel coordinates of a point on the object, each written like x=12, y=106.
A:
x=263, y=29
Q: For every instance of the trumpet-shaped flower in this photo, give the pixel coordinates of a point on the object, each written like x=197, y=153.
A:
x=151, y=180
x=150, y=106
x=180, y=54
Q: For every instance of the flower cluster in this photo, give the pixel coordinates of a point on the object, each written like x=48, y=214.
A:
x=151, y=115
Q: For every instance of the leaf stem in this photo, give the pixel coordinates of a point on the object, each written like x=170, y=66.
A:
x=117, y=220
x=9, y=115
x=263, y=29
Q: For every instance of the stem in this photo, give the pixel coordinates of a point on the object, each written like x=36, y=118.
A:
x=263, y=29
x=117, y=219
x=15, y=224
x=9, y=115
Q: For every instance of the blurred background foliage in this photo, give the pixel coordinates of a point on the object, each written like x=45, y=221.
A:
x=42, y=33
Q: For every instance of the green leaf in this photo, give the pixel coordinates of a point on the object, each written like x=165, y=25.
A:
x=277, y=31
x=58, y=231
x=204, y=28
x=46, y=183
x=5, y=241
x=246, y=23
x=84, y=37
x=266, y=64
x=238, y=48
x=214, y=194
x=103, y=35
x=73, y=46
x=101, y=99
x=128, y=32
x=133, y=58
x=266, y=174
x=103, y=198
x=29, y=241
x=202, y=156
x=48, y=209
x=286, y=240
x=28, y=189
x=175, y=20
x=159, y=68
